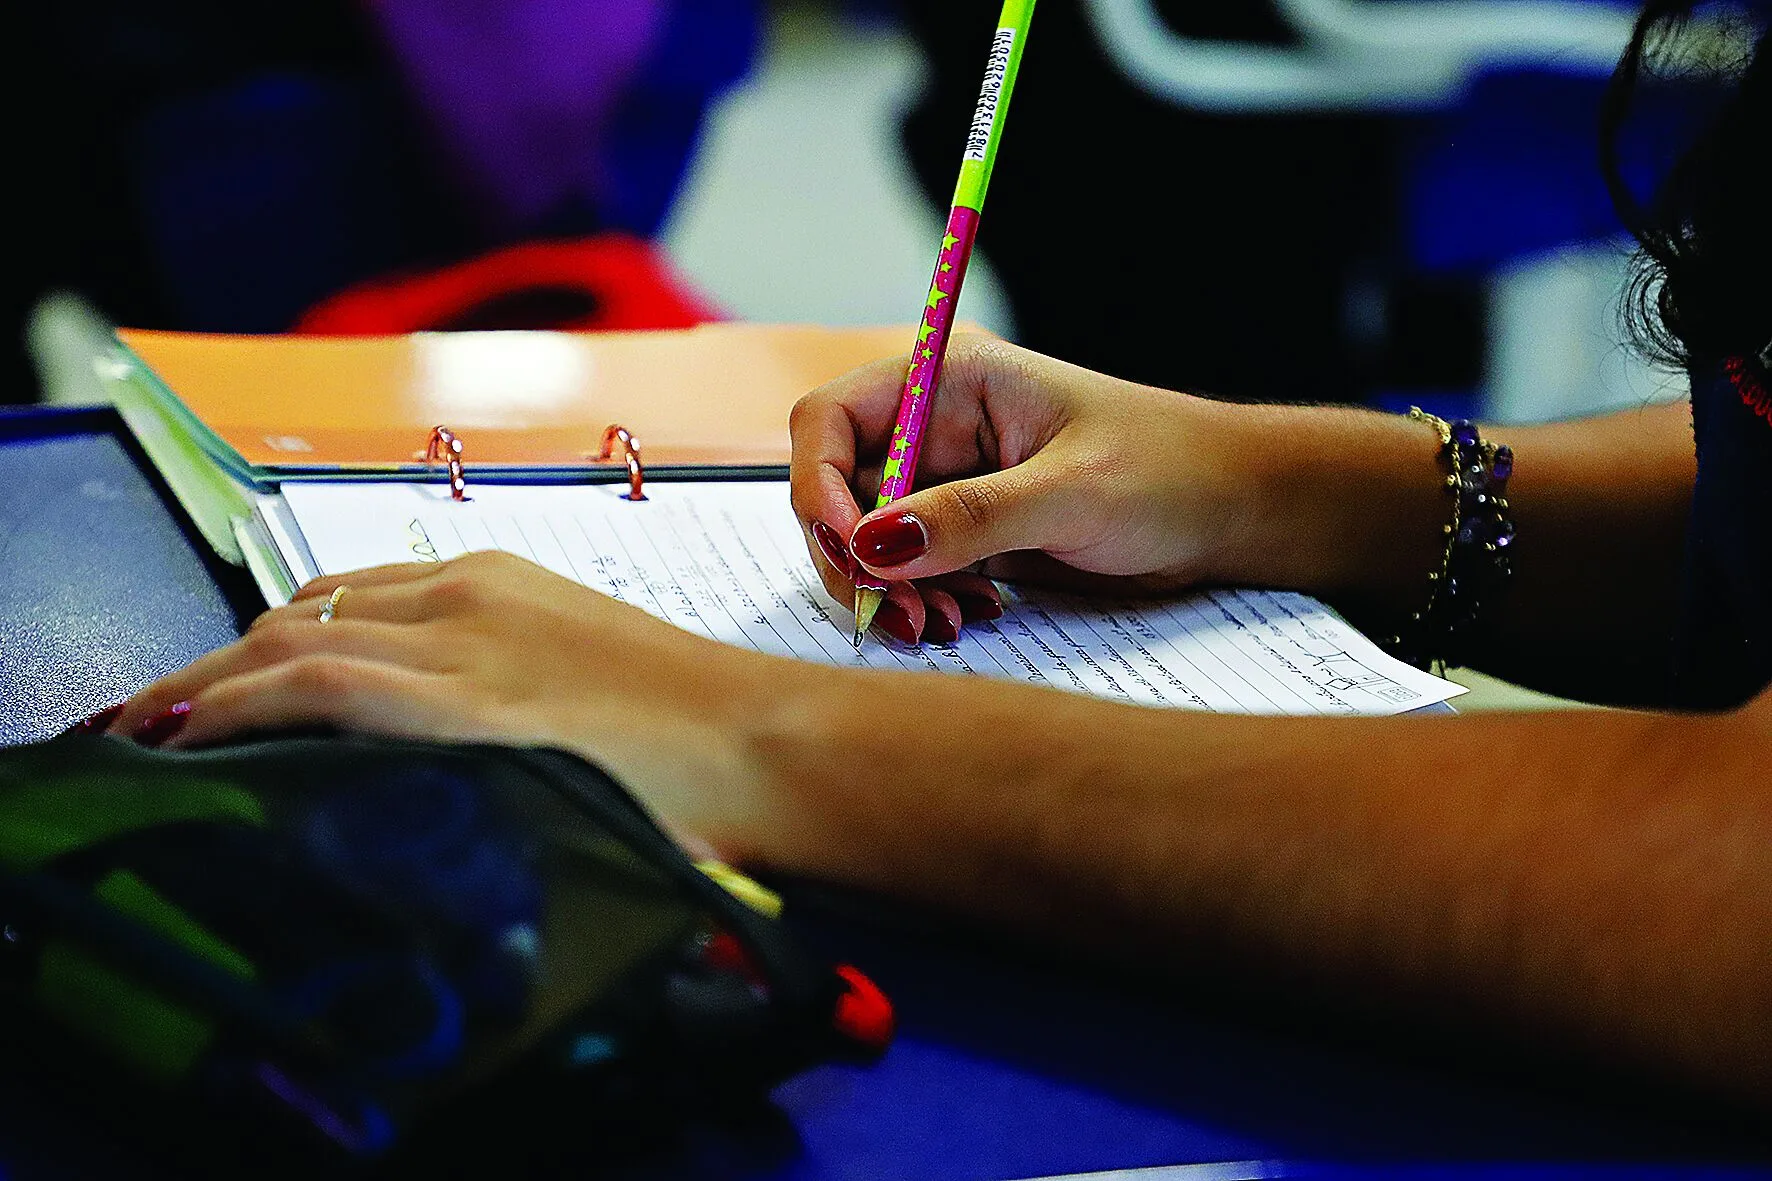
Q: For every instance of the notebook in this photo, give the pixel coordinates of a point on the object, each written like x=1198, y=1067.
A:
x=727, y=560
x=224, y=417
x=268, y=409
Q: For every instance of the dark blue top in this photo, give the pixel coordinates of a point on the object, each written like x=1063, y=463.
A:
x=1723, y=644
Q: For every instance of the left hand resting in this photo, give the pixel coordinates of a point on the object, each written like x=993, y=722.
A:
x=492, y=648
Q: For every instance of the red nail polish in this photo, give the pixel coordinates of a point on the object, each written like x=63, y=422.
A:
x=159, y=728
x=978, y=608
x=890, y=540
x=939, y=629
x=99, y=722
x=895, y=621
x=830, y=544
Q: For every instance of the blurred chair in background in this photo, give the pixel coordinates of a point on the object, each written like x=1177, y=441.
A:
x=353, y=167
x=1293, y=199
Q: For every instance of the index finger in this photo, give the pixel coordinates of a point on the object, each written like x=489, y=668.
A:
x=319, y=588
x=828, y=426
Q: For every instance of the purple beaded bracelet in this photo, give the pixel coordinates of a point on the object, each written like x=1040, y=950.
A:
x=1476, y=563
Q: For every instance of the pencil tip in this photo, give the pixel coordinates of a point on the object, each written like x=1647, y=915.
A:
x=867, y=602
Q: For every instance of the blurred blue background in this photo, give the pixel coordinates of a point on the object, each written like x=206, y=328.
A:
x=1378, y=201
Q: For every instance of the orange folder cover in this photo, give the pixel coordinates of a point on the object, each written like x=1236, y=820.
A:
x=710, y=396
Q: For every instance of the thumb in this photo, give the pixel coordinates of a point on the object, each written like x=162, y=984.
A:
x=951, y=526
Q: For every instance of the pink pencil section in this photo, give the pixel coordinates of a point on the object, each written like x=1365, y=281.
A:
x=931, y=349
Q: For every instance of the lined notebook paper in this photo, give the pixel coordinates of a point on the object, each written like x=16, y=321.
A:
x=727, y=560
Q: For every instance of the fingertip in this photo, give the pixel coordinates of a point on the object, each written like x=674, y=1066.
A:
x=833, y=549
x=136, y=710
x=889, y=538
x=942, y=617
x=978, y=597
x=979, y=608
x=901, y=614
x=98, y=723
x=165, y=728
x=895, y=621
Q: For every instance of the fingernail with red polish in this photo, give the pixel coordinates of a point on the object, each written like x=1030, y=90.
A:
x=830, y=544
x=161, y=727
x=895, y=621
x=99, y=722
x=939, y=629
x=978, y=608
x=891, y=540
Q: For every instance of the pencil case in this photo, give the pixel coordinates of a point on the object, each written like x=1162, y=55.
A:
x=340, y=953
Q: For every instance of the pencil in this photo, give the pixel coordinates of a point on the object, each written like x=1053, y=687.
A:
x=950, y=270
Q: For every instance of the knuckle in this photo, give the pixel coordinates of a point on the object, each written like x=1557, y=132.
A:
x=321, y=677
x=490, y=560
x=803, y=410
x=1097, y=468
x=456, y=591
x=977, y=503
x=276, y=640
x=992, y=368
x=987, y=349
x=992, y=355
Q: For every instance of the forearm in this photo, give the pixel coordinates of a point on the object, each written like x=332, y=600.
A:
x=1603, y=877
x=1602, y=507
x=1350, y=505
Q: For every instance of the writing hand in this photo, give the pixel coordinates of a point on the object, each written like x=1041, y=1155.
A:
x=1031, y=470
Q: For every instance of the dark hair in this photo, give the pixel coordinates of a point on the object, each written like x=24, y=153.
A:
x=1702, y=289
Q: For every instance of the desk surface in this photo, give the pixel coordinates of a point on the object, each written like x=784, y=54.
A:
x=1008, y=1064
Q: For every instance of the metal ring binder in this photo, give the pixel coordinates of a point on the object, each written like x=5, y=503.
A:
x=446, y=445
x=631, y=448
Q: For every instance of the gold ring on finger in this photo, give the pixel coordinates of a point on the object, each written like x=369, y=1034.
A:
x=331, y=608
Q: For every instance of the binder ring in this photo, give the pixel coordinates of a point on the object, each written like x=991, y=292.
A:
x=445, y=444
x=631, y=448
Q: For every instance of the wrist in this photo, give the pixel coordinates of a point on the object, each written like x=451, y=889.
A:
x=1342, y=502
x=862, y=771
x=797, y=743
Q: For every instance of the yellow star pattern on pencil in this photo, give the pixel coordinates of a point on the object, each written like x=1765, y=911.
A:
x=900, y=444
x=928, y=353
x=936, y=295
x=947, y=266
x=948, y=242
x=925, y=330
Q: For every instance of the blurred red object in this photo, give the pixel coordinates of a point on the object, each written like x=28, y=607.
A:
x=607, y=282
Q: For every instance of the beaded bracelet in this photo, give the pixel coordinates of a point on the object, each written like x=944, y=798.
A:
x=1475, y=564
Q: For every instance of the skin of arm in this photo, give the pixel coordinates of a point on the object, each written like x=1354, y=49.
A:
x=1598, y=880
x=1600, y=505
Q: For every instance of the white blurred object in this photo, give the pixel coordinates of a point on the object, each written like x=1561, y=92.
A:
x=64, y=334
x=1359, y=55
x=800, y=206
x=1557, y=345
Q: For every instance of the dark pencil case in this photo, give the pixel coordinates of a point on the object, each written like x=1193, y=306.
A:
x=357, y=952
